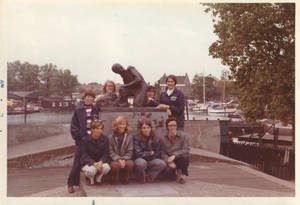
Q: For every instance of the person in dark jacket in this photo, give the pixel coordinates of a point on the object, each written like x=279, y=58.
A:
x=80, y=127
x=173, y=100
x=95, y=153
x=150, y=101
x=175, y=150
x=147, y=153
x=121, y=151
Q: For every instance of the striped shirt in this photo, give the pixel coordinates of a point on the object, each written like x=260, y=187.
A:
x=88, y=111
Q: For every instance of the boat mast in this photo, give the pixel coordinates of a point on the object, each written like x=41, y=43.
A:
x=224, y=92
x=204, y=89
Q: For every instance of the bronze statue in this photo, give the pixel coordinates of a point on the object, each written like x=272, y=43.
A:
x=134, y=85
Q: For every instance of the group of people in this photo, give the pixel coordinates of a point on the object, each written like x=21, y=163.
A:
x=97, y=155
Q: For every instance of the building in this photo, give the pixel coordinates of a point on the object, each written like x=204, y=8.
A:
x=183, y=84
x=58, y=103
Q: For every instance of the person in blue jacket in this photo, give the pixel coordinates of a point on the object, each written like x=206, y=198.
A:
x=95, y=154
x=147, y=153
x=173, y=100
x=80, y=127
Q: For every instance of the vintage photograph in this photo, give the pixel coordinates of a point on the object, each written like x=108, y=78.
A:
x=148, y=98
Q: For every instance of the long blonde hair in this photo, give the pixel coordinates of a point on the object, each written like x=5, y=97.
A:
x=118, y=121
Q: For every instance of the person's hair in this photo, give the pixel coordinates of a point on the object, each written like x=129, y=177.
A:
x=173, y=77
x=89, y=93
x=146, y=122
x=97, y=123
x=171, y=119
x=104, y=90
x=118, y=121
x=151, y=89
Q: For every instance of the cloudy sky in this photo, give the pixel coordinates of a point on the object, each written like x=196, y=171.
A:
x=88, y=37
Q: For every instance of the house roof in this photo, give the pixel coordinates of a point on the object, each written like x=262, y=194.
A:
x=19, y=95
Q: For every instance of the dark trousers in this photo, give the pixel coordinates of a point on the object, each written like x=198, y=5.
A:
x=182, y=162
x=116, y=170
x=74, y=176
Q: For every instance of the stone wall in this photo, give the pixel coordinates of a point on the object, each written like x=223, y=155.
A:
x=17, y=134
x=204, y=134
x=134, y=115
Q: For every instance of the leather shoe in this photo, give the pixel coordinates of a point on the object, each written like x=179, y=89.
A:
x=181, y=180
x=71, y=189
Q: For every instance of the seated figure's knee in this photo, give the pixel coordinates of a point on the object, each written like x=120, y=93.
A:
x=115, y=166
x=129, y=164
x=89, y=171
x=105, y=168
x=140, y=163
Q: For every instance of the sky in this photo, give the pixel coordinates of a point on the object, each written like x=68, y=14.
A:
x=88, y=37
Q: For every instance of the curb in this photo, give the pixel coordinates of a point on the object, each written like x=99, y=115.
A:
x=30, y=160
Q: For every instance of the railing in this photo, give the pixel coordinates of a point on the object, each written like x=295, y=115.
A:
x=279, y=162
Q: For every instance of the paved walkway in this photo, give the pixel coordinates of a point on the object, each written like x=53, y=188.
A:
x=211, y=175
x=207, y=179
x=40, y=145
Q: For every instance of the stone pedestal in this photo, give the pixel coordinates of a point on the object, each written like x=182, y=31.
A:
x=157, y=117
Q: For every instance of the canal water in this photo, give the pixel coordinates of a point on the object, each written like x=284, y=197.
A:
x=40, y=118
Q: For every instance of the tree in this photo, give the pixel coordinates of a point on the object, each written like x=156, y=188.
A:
x=257, y=42
x=211, y=91
x=46, y=79
x=20, y=74
x=64, y=82
x=158, y=88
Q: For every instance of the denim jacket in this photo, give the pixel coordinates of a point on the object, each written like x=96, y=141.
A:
x=143, y=149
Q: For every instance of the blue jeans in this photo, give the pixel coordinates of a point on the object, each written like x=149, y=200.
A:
x=153, y=167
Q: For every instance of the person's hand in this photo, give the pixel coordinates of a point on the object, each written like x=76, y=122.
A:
x=152, y=152
x=172, y=165
x=99, y=98
x=100, y=163
x=169, y=112
x=122, y=163
x=171, y=158
x=163, y=106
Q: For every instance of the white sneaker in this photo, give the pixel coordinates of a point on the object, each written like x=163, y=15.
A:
x=99, y=178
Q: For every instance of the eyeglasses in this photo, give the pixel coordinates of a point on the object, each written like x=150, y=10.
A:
x=172, y=125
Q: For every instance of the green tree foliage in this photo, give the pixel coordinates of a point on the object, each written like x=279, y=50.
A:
x=158, y=88
x=211, y=90
x=257, y=42
x=20, y=74
x=45, y=79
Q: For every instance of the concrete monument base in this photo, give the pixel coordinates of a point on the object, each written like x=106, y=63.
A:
x=157, y=117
